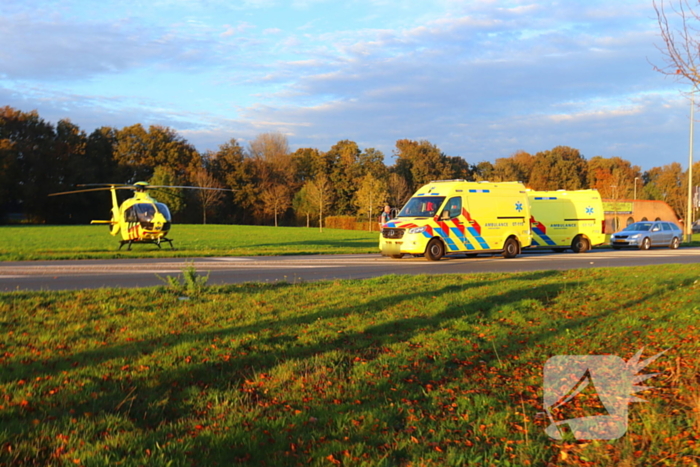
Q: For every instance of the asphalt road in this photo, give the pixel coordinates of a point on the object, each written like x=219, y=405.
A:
x=83, y=274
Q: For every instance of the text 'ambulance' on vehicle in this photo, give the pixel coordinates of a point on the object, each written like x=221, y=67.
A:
x=456, y=216
x=567, y=219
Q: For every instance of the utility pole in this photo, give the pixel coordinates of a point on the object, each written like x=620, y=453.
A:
x=688, y=218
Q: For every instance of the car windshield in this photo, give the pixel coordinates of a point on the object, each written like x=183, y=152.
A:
x=422, y=206
x=639, y=227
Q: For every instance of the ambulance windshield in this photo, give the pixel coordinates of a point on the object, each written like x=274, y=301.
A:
x=422, y=206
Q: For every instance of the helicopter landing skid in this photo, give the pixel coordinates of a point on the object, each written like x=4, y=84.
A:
x=157, y=242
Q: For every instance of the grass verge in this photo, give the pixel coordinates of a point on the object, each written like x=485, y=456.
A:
x=398, y=370
x=19, y=243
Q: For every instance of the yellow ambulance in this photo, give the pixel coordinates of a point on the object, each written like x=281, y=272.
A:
x=567, y=219
x=456, y=216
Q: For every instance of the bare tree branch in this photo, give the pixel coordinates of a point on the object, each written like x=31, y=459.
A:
x=679, y=24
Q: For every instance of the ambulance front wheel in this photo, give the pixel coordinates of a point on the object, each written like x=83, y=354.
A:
x=435, y=250
x=580, y=244
x=511, y=248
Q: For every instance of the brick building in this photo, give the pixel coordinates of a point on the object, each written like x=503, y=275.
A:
x=622, y=212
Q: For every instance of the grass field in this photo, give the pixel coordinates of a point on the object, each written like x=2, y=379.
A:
x=18, y=243
x=398, y=370
x=93, y=241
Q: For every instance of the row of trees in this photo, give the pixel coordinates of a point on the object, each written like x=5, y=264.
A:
x=272, y=184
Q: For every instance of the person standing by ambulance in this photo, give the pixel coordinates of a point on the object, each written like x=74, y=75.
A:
x=385, y=216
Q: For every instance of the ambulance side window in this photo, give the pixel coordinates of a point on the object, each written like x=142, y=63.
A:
x=454, y=206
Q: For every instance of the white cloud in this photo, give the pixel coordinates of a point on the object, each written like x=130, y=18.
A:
x=55, y=50
x=479, y=79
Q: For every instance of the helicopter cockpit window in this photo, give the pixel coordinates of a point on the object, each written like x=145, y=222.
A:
x=145, y=212
x=130, y=215
x=163, y=209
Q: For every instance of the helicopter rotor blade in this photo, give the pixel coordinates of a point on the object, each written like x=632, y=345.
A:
x=188, y=187
x=123, y=186
x=118, y=186
x=80, y=191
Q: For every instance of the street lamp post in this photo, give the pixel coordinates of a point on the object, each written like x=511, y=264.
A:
x=635, y=187
x=688, y=220
x=613, y=188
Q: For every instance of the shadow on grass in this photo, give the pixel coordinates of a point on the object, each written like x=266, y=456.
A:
x=165, y=402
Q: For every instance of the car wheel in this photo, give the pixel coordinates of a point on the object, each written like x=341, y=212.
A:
x=435, y=250
x=511, y=248
x=646, y=244
x=580, y=244
x=675, y=243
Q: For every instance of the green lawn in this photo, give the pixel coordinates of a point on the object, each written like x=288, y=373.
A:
x=398, y=370
x=32, y=242
x=94, y=241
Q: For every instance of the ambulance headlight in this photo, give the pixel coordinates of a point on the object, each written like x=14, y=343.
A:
x=417, y=230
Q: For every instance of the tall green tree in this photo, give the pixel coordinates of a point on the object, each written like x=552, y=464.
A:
x=234, y=170
x=562, y=168
x=459, y=168
x=272, y=160
x=138, y=152
x=307, y=163
x=516, y=168
x=483, y=171
x=398, y=192
x=38, y=162
x=371, y=161
x=276, y=200
x=174, y=198
x=344, y=175
x=666, y=184
x=614, y=177
x=320, y=193
x=419, y=162
x=370, y=197
x=208, y=198
x=303, y=205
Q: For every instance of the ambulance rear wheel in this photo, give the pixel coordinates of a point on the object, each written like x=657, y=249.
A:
x=580, y=244
x=435, y=250
x=511, y=248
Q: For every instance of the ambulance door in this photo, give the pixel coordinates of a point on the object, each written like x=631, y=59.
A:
x=453, y=226
x=477, y=212
x=512, y=215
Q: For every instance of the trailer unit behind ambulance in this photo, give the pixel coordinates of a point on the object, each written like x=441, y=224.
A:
x=567, y=219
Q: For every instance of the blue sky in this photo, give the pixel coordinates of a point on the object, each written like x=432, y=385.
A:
x=479, y=79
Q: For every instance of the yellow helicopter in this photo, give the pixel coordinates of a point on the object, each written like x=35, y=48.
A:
x=140, y=219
